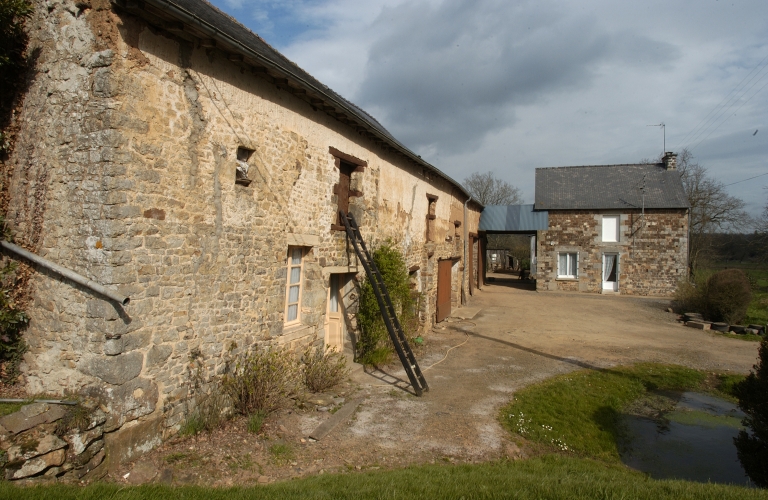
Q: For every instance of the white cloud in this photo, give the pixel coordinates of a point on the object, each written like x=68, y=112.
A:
x=511, y=86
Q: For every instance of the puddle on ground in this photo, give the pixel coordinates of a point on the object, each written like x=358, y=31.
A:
x=684, y=436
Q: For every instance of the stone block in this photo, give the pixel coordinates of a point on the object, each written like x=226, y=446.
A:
x=79, y=440
x=37, y=465
x=126, y=402
x=136, y=340
x=25, y=450
x=699, y=325
x=158, y=354
x=116, y=370
x=104, y=84
x=19, y=421
x=128, y=444
x=114, y=346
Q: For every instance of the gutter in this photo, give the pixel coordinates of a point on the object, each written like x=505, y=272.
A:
x=466, y=253
x=67, y=273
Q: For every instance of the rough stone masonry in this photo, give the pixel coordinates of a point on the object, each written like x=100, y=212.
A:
x=124, y=170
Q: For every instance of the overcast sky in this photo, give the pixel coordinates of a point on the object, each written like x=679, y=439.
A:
x=509, y=86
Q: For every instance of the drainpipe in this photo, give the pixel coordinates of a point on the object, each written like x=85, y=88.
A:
x=69, y=274
x=466, y=251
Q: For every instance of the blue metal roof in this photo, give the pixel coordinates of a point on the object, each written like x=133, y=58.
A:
x=513, y=218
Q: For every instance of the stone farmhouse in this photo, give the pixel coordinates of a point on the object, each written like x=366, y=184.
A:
x=166, y=152
x=612, y=228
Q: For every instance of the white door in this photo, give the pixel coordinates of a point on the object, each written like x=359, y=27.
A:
x=610, y=271
x=334, y=331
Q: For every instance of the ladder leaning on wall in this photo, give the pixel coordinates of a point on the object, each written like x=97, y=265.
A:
x=404, y=352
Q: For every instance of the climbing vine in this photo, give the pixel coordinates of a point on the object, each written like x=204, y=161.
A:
x=13, y=320
x=13, y=43
x=374, y=346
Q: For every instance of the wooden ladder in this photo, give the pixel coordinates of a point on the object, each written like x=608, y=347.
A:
x=404, y=352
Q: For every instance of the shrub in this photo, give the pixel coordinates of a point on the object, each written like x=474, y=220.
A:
x=752, y=447
x=375, y=347
x=689, y=296
x=265, y=380
x=728, y=295
x=210, y=412
x=323, y=371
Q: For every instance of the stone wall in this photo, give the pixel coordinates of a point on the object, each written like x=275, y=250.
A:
x=49, y=441
x=652, y=250
x=124, y=171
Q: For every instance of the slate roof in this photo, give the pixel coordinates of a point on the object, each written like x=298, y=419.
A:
x=609, y=187
x=199, y=20
x=513, y=218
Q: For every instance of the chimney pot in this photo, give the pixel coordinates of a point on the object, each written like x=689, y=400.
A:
x=670, y=160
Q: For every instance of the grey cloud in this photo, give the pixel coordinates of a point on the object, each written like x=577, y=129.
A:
x=442, y=77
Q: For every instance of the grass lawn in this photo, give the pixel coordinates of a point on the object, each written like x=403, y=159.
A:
x=580, y=412
x=549, y=477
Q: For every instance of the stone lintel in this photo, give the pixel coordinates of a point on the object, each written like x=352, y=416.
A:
x=328, y=270
x=303, y=240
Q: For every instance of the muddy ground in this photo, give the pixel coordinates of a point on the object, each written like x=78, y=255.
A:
x=514, y=337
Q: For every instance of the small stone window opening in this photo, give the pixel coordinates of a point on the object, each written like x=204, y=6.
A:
x=347, y=165
x=241, y=171
x=342, y=188
x=431, y=216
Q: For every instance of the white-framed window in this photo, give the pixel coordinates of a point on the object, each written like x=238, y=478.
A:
x=568, y=265
x=610, y=228
x=293, y=286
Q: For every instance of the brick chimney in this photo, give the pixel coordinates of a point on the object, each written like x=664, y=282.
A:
x=670, y=160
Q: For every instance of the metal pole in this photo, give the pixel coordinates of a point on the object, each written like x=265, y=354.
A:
x=67, y=273
x=466, y=250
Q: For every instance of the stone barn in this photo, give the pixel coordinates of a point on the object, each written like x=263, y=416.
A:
x=169, y=154
x=613, y=228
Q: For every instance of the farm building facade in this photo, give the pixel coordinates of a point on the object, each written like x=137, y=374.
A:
x=166, y=152
x=612, y=229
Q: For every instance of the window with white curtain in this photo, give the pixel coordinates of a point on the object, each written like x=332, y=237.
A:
x=568, y=265
x=610, y=228
x=293, y=288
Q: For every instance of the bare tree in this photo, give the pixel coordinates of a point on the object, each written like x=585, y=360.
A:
x=490, y=190
x=713, y=210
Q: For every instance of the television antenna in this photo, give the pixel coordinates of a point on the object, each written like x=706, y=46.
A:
x=664, y=133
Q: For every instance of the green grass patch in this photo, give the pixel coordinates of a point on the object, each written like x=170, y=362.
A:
x=580, y=412
x=704, y=419
x=549, y=477
x=747, y=337
x=726, y=385
x=281, y=453
x=8, y=408
x=256, y=421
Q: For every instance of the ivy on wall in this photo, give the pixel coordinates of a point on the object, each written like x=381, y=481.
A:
x=12, y=320
x=375, y=347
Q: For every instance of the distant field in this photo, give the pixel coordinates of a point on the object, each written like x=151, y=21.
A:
x=758, y=274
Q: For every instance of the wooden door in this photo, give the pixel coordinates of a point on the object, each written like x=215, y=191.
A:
x=443, y=289
x=334, y=332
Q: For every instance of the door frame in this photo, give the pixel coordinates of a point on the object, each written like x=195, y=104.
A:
x=336, y=317
x=615, y=286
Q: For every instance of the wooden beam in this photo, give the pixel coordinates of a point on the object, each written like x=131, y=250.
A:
x=207, y=42
x=235, y=57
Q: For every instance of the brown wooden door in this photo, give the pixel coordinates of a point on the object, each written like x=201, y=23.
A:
x=443, y=289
